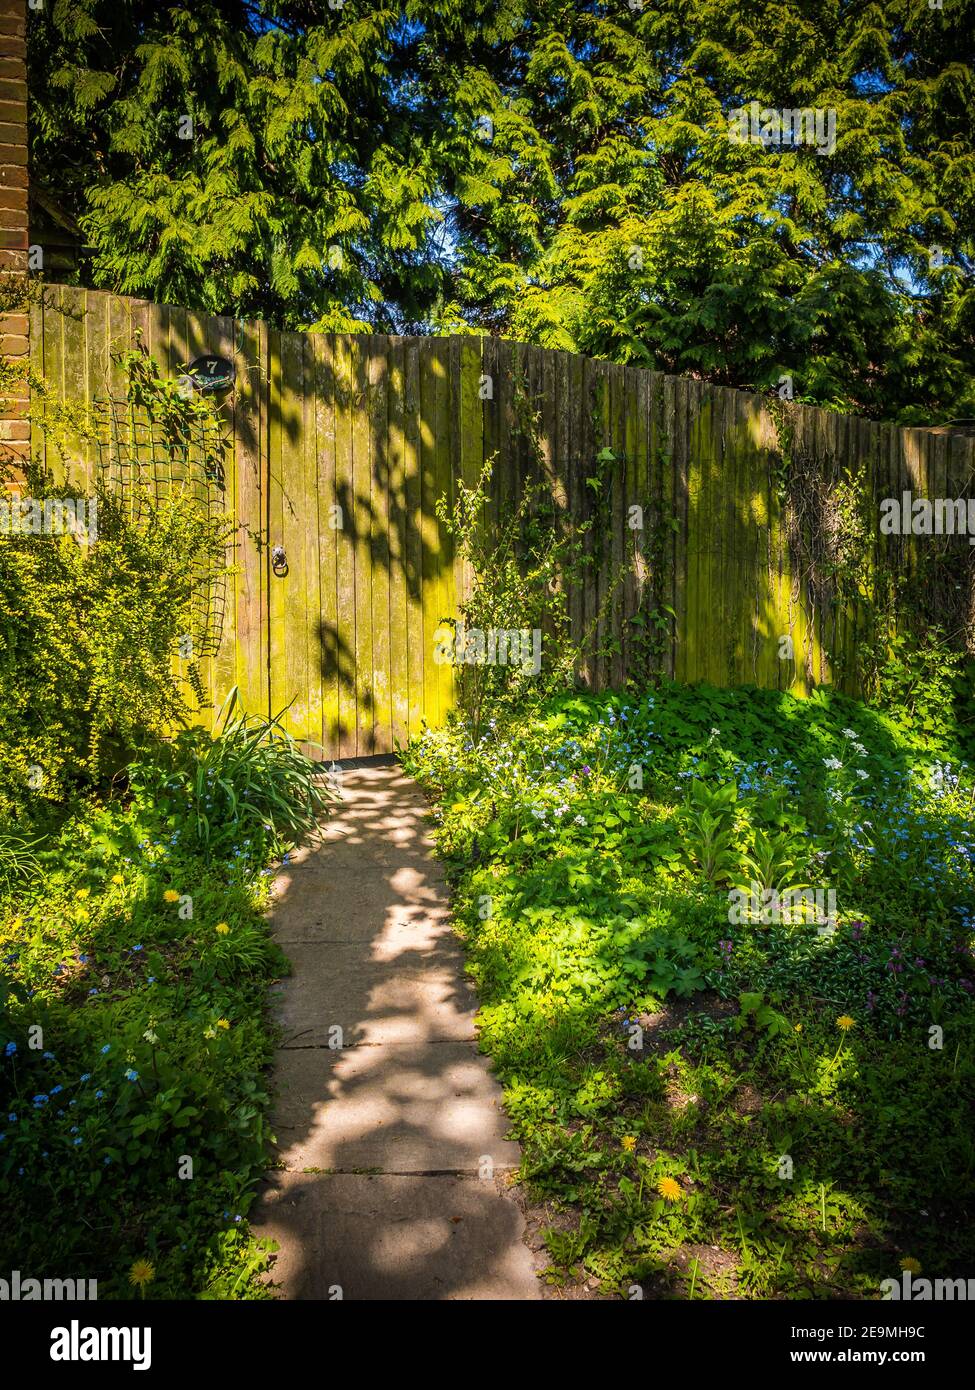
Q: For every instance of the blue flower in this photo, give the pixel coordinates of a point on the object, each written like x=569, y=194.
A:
x=12, y=1118
x=85, y=1077
x=99, y=1094
x=10, y=1049
x=106, y=1048
x=40, y=1100
x=131, y=1075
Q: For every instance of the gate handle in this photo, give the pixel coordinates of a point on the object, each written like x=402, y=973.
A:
x=279, y=560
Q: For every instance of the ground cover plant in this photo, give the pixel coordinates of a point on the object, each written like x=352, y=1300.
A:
x=134, y=966
x=717, y=1100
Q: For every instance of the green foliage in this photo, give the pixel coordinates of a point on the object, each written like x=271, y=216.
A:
x=152, y=1044
x=248, y=778
x=912, y=618
x=756, y=1012
x=922, y=679
x=521, y=566
x=709, y=828
x=93, y=626
x=17, y=861
x=88, y=637
x=556, y=173
x=681, y=1080
x=611, y=214
x=254, y=159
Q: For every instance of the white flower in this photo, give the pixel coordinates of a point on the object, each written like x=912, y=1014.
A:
x=862, y=775
x=580, y=820
x=834, y=763
x=849, y=733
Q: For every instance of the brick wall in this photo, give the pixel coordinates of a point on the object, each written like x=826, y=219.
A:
x=14, y=427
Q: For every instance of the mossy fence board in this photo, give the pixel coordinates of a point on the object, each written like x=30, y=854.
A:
x=340, y=445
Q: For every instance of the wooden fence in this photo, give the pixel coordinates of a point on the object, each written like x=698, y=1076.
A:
x=340, y=445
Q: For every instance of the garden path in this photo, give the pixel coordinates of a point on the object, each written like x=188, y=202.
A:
x=391, y=1174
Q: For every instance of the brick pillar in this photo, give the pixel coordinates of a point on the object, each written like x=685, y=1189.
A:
x=14, y=322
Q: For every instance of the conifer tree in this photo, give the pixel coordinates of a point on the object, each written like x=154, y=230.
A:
x=561, y=171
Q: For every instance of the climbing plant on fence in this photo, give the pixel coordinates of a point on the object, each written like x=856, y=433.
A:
x=103, y=628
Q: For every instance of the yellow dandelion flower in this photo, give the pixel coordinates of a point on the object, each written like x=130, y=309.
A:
x=83, y=893
x=221, y=929
x=669, y=1189
x=223, y=1023
x=798, y=1027
x=117, y=878
x=141, y=1274
x=629, y=1143
x=911, y=1265
x=845, y=1022
x=170, y=896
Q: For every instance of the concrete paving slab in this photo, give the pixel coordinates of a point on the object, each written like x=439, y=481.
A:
x=413, y=1109
x=405, y=996
x=356, y=1236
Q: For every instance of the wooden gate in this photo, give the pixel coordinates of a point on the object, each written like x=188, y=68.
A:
x=360, y=573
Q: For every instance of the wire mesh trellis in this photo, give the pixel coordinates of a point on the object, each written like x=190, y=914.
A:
x=147, y=462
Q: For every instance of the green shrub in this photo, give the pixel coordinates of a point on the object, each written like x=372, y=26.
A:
x=246, y=783
x=88, y=644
